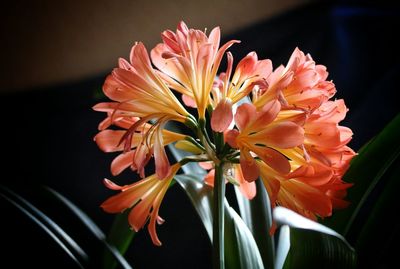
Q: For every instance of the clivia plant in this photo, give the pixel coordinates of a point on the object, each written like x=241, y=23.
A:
x=252, y=123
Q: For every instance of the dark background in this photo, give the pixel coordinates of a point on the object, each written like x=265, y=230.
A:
x=47, y=132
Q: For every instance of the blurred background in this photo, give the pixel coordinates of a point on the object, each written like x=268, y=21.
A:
x=56, y=54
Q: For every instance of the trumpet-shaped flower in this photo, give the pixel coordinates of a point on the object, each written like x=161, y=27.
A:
x=139, y=92
x=250, y=72
x=301, y=84
x=137, y=155
x=259, y=134
x=189, y=60
x=296, y=194
x=143, y=198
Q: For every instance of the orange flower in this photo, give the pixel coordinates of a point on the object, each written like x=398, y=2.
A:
x=296, y=194
x=313, y=189
x=249, y=73
x=301, y=84
x=260, y=134
x=189, y=61
x=143, y=198
x=138, y=155
x=139, y=92
x=314, y=186
x=302, y=167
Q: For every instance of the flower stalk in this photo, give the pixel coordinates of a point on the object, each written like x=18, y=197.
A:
x=218, y=218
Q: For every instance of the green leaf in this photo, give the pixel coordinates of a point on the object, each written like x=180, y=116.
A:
x=200, y=196
x=256, y=213
x=366, y=170
x=241, y=250
x=370, y=233
x=111, y=252
x=52, y=229
x=283, y=247
x=310, y=244
x=119, y=236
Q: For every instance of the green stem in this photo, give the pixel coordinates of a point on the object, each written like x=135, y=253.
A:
x=219, y=142
x=218, y=218
x=194, y=142
x=203, y=133
x=195, y=158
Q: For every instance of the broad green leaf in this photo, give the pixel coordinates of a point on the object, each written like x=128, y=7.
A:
x=365, y=172
x=241, y=250
x=200, y=196
x=311, y=249
x=312, y=245
x=256, y=213
x=374, y=246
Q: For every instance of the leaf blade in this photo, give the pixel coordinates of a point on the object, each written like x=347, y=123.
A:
x=312, y=245
x=257, y=215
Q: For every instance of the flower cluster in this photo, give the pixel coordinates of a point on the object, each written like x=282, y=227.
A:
x=278, y=125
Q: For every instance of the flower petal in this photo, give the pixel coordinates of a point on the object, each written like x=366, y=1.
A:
x=245, y=113
x=121, y=162
x=154, y=215
x=109, y=140
x=248, y=189
x=112, y=186
x=189, y=101
x=274, y=159
x=230, y=137
x=246, y=66
x=308, y=198
x=160, y=157
x=129, y=196
x=206, y=165
x=282, y=135
x=273, y=186
x=209, y=178
x=249, y=166
x=267, y=114
x=222, y=116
